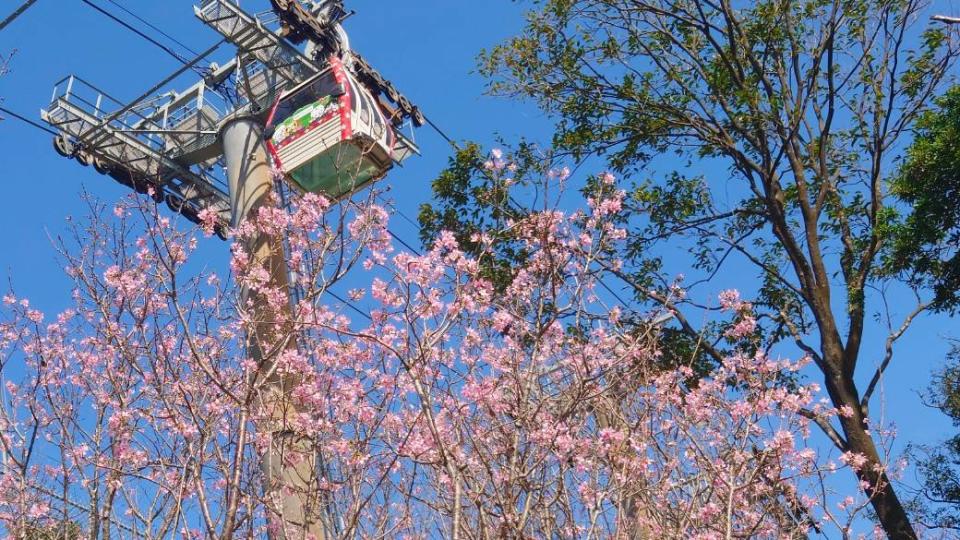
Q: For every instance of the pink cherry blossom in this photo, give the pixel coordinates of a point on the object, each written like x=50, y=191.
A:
x=433, y=404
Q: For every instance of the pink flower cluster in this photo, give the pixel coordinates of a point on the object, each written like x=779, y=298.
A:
x=532, y=411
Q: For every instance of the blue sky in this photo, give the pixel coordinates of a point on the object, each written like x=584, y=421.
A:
x=427, y=48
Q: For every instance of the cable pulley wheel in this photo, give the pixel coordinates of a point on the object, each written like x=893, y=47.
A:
x=391, y=91
x=418, y=118
x=377, y=79
x=174, y=203
x=101, y=165
x=122, y=176
x=84, y=158
x=405, y=105
x=191, y=213
x=142, y=186
x=63, y=147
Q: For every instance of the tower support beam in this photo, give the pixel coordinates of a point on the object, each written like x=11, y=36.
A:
x=290, y=463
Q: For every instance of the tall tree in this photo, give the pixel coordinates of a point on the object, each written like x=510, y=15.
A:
x=795, y=108
x=925, y=251
x=925, y=248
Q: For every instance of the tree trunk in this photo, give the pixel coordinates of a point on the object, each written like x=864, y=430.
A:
x=872, y=475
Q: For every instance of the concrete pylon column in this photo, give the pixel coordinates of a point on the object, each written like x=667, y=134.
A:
x=290, y=464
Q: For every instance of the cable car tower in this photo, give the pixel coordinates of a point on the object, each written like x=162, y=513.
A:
x=333, y=123
x=295, y=98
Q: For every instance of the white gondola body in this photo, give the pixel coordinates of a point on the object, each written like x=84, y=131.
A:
x=330, y=135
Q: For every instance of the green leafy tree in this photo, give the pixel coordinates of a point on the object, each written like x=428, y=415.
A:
x=927, y=252
x=927, y=243
x=785, y=117
x=477, y=202
x=939, y=465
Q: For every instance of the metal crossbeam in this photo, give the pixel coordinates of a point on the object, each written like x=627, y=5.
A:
x=283, y=65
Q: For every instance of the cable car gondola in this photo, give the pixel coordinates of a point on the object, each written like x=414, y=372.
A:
x=329, y=135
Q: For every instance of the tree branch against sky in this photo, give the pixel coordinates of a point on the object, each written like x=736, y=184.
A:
x=790, y=115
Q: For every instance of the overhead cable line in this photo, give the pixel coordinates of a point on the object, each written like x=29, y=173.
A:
x=612, y=292
x=348, y=304
x=405, y=217
x=154, y=27
x=406, y=245
x=26, y=120
x=137, y=31
x=19, y=11
x=393, y=206
x=442, y=134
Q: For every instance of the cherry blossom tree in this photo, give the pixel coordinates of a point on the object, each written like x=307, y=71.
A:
x=450, y=410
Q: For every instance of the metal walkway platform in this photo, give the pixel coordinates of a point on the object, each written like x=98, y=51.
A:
x=138, y=143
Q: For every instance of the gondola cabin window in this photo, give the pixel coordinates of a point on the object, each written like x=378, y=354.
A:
x=328, y=135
